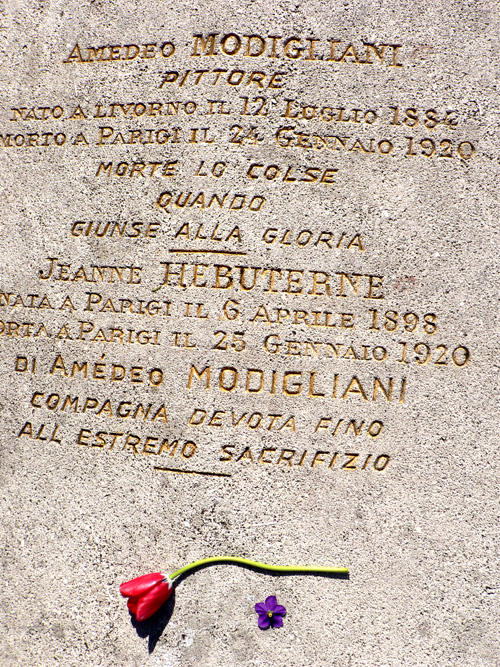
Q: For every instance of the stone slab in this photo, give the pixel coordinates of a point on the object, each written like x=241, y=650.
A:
x=248, y=307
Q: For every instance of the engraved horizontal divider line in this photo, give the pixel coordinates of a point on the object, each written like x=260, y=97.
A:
x=194, y=472
x=212, y=252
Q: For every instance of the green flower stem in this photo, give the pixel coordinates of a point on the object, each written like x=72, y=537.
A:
x=262, y=566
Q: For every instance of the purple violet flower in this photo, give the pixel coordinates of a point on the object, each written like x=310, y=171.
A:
x=270, y=613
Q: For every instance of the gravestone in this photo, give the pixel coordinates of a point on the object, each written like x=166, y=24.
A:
x=247, y=308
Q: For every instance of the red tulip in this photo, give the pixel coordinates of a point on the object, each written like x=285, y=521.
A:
x=146, y=594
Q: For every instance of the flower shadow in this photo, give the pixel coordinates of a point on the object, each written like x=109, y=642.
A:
x=154, y=626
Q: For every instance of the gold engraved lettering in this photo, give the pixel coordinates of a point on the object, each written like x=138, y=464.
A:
x=138, y=169
x=273, y=280
x=188, y=200
x=274, y=456
x=233, y=78
x=108, y=407
x=294, y=47
x=126, y=52
x=291, y=174
x=292, y=382
x=147, y=445
x=92, y=274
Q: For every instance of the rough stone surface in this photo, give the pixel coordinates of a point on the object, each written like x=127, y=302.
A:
x=329, y=210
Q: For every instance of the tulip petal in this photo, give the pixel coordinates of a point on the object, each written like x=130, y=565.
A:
x=132, y=604
x=264, y=621
x=271, y=603
x=276, y=621
x=141, y=585
x=261, y=608
x=150, y=603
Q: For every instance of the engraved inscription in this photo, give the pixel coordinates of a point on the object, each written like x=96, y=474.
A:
x=221, y=299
